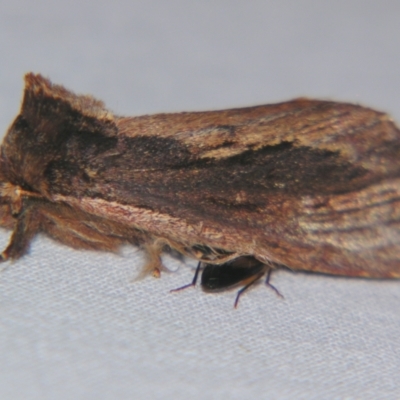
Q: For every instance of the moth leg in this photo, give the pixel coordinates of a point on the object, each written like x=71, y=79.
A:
x=193, y=283
x=26, y=228
x=272, y=286
x=153, y=264
x=243, y=289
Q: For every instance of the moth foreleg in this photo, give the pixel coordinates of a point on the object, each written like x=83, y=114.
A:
x=25, y=229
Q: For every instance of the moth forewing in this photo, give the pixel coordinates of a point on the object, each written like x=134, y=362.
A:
x=313, y=185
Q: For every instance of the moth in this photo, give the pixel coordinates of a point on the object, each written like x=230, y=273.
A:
x=307, y=184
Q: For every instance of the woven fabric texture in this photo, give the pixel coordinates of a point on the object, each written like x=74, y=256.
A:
x=76, y=324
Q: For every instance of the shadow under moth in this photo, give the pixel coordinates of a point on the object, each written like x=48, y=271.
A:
x=307, y=184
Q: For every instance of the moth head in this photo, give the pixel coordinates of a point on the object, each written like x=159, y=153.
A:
x=52, y=120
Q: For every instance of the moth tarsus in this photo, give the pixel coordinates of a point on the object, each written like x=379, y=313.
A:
x=312, y=185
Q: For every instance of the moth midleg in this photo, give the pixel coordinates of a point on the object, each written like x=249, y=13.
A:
x=153, y=250
x=194, y=281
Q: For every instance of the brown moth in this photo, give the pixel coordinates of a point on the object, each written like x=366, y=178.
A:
x=308, y=184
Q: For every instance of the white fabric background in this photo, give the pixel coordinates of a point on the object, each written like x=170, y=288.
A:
x=73, y=325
